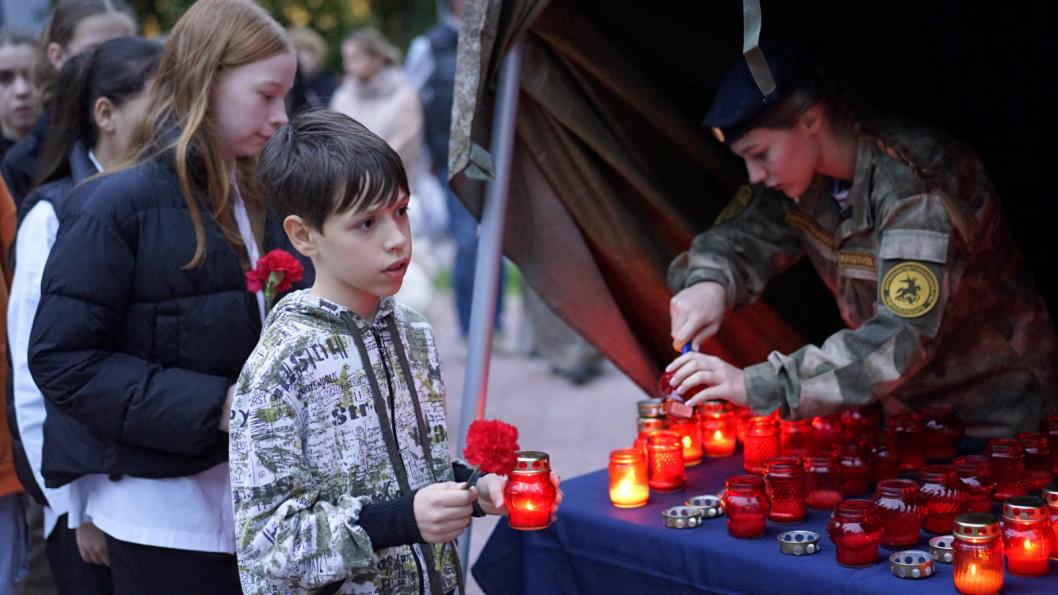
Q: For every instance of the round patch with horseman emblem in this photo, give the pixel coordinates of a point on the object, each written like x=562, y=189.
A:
x=910, y=289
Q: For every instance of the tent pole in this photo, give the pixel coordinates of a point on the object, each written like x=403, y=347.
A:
x=490, y=248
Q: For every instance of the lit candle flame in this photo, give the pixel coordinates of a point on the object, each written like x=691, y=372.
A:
x=686, y=441
x=718, y=435
x=973, y=570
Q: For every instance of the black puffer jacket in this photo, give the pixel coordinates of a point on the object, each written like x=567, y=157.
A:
x=133, y=353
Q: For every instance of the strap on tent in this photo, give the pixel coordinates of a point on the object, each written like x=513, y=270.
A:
x=758, y=66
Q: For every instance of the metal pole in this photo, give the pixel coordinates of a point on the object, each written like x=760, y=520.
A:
x=490, y=247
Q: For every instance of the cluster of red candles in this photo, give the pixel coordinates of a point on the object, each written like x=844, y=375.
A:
x=818, y=463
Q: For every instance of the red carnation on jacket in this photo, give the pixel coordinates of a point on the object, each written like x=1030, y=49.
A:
x=491, y=446
x=274, y=274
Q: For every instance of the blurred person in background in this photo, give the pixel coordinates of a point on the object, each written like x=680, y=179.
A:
x=317, y=84
x=19, y=108
x=376, y=93
x=74, y=26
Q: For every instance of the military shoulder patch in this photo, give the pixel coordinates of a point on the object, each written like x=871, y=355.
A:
x=909, y=289
x=738, y=204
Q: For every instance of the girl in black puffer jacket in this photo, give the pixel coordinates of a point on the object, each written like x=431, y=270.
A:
x=145, y=321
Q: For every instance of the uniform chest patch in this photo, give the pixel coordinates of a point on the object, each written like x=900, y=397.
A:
x=909, y=289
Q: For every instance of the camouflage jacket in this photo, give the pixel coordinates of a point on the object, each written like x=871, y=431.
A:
x=940, y=306
x=310, y=447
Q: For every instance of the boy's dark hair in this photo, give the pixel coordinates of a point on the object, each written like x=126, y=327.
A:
x=324, y=162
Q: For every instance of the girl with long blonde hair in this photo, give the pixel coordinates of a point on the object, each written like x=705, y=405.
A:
x=145, y=320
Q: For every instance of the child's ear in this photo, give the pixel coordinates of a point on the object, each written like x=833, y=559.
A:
x=103, y=113
x=812, y=119
x=300, y=235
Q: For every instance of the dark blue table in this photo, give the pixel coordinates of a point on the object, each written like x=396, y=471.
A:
x=596, y=548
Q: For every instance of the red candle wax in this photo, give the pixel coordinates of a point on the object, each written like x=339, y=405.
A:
x=941, y=497
x=856, y=472
x=665, y=461
x=899, y=513
x=745, y=506
x=1027, y=536
x=822, y=480
x=785, y=486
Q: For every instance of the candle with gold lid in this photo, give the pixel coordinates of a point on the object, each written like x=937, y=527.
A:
x=529, y=493
x=978, y=553
x=1050, y=496
x=1027, y=535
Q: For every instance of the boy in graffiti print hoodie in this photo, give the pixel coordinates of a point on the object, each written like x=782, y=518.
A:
x=341, y=474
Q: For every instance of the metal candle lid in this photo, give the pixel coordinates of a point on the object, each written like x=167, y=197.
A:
x=650, y=408
x=942, y=548
x=1050, y=494
x=650, y=424
x=911, y=564
x=798, y=543
x=707, y=503
x=976, y=527
x=1025, y=508
x=682, y=517
x=531, y=462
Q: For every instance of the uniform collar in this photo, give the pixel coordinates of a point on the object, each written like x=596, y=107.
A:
x=859, y=193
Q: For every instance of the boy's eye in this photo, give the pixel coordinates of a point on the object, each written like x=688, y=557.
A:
x=402, y=211
x=366, y=223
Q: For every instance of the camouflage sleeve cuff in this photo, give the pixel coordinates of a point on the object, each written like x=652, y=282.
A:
x=764, y=388
x=706, y=274
x=391, y=523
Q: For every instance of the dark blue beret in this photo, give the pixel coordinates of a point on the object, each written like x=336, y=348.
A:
x=739, y=103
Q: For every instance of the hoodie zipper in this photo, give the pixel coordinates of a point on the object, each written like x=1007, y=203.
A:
x=393, y=424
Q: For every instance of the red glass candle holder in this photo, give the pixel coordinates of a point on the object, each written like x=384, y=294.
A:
x=690, y=431
x=940, y=497
x=974, y=475
x=899, y=513
x=856, y=472
x=1037, y=460
x=858, y=424
x=795, y=437
x=785, y=485
x=529, y=493
x=1007, y=459
x=665, y=468
x=1050, y=496
x=745, y=506
x=826, y=432
x=719, y=428
x=761, y=443
x=1027, y=536
x=944, y=430
x=856, y=532
x=822, y=480
x=883, y=455
x=977, y=568
x=909, y=439
x=628, y=478
x=742, y=417
x=1049, y=428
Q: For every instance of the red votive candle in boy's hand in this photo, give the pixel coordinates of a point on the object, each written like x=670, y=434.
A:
x=529, y=493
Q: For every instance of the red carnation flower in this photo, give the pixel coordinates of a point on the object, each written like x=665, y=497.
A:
x=274, y=274
x=491, y=446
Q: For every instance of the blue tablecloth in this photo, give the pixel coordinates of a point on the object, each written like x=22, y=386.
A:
x=596, y=548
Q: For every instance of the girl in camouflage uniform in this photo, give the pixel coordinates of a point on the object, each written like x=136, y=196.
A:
x=904, y=227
